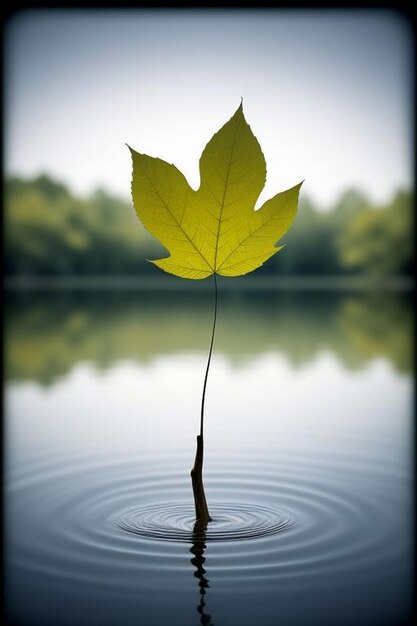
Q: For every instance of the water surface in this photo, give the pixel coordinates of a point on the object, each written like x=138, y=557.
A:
x=308, y=459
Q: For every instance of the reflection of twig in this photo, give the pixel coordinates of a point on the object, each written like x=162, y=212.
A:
x=198, y=560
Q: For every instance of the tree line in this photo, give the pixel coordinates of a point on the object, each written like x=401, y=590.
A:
x=50, y=231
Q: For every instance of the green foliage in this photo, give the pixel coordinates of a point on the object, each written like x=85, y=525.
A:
x=214, y=229
x=48, y=230
x=380, y=241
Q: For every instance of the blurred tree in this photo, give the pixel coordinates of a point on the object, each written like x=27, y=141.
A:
x=49, y=231
x=379, y=241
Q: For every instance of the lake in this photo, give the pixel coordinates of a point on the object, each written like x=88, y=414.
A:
x=308, y=458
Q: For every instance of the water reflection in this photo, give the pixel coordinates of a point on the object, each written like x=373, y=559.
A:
x=198, y=560
x=47, y=334
x=87, y=459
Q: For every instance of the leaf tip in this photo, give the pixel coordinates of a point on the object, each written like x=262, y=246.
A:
x=239, y=111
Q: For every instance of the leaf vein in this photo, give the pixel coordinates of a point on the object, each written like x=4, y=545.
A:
x=173, y=216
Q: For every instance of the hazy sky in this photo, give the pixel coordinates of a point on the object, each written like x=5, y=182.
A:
x=327, y=93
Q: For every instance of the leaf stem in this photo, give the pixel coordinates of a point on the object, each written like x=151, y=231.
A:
x=200, y=502
x=209, y=356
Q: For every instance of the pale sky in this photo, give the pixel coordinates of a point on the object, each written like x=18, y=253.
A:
x=327, y=93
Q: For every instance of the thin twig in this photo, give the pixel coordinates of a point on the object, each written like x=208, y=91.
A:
x=209, y=356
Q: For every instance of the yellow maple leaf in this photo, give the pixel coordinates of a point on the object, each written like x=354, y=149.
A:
x=214, y=230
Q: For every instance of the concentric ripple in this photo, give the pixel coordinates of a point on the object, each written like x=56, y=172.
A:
x=231, y=522
x=295, y=523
